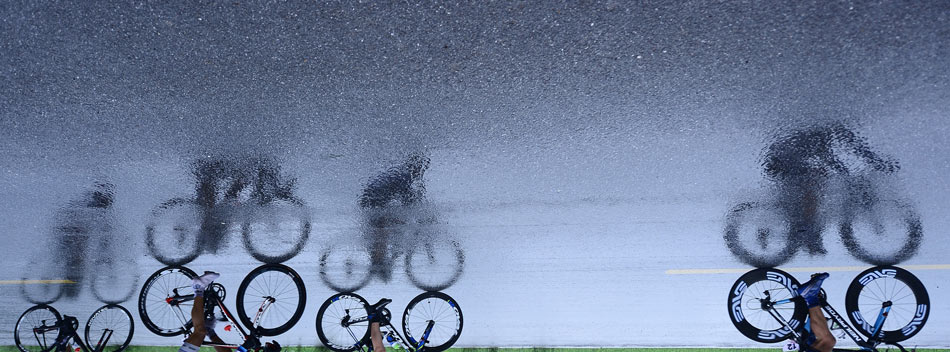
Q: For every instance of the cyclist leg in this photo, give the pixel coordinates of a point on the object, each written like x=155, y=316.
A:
x=824, y=340
x=376, y=337
x=198, y=332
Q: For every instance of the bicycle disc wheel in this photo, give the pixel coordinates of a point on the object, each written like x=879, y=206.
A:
x=758, y=235
x=438, y=308
x=435, y=264
x=875, y=286
x=271, y=281
x=746, y=300
x=345, y=267
x=110, y=327
x=886, y=233
x=330, y=317
x=276, y=231
x=172, y=231
x=157, y=314
x=25, y=336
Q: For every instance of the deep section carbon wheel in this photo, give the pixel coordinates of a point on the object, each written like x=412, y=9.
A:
x=333, y=327
x=276, y=287
x=436, y=313
x=891, y=286
x=760, y=291
x=158, y=313
x=109, y=329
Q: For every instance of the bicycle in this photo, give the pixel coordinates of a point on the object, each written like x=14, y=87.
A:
x=431, y=322
x=276, y=292
x=875, y=226
x=110, y=327
x=433, y=259
x=887, y=304
x=274, y=224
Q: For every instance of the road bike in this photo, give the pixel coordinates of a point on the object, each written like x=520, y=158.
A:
x=431, y=322
x=274, y=224
x=875, y=224
x=433, y=260
x=275, y=292
x=886, y=304
x=41, y=329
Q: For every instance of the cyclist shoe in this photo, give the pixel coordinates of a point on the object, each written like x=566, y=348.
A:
x=811, y=290
x=376, y=311
x=201, y=283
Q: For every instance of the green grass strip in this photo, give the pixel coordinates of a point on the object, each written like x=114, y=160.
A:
x=323, y=349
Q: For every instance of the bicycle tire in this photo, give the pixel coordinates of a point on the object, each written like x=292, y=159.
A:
x=181, y=217
x=765, y=220
x=269, y=285
x=32, y=320
x=345, y=267
x=110, y=316
x=278, y=214
x=439, y=308
x=104, y=287
x=866, y=292
x=861, y=244
x=37, y=290
x=434, y=266
x=152, y=297
x=765, y=328
x=332, y=318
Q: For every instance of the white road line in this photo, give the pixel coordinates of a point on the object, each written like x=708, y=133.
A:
x=813, y=269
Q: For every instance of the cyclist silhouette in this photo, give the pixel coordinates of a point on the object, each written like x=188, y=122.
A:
x=803, y=161
x=84, y=216
x=399, y=186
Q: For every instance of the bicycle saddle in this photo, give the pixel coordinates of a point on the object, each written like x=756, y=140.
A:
x=380, y=305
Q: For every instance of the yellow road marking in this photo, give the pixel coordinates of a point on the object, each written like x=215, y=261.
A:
x=27, y=282
x=813, y=269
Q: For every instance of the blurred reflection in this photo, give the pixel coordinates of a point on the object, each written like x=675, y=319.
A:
x=821, y=174
x=396, y=220
x=249, y=192
x=86, y=246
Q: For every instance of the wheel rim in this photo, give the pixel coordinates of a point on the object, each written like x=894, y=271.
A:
x=758, y=235
x=345, y=267
x=330, y=328
x=278, y=285
x=158, y=316
x=439, y=308
x=173, y=231
x=25, y=339
x=115, y=319
x=276, y=231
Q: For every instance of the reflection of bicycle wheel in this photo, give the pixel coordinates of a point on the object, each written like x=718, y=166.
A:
x=30, y=339
x=109, y=329
x=333, y=312
x=276, y=231
x=753, y=292
x=758, y=235
x=435, y=263
x=345, y=267
x=172, y=231
x=879, y=286
x=43, y=282
x=280, y=285
x=438, y=308
x=886, y=233
x=157, y=314
x=114, y=280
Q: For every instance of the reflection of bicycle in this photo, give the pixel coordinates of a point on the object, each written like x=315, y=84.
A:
x=275, y=225
x=42, y=329
x=87, y=252
x=886, y=304
x=874, y=227
x=431, y=322
x=433, y=259
x=274, y=293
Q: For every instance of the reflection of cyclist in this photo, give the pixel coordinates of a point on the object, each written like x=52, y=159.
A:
x=398, y=186
x=819, y=337
x=204, y=325
x=801, y=163
x=82, y=217
x=225, y=179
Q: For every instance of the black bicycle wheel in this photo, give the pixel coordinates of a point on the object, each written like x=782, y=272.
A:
x=438, y=308
x=910, y=304
x=113, y=279
x=43, y=281
x=884, y=233
x=435, y=262
x=280, y=285
x=157, y=314
x=172, y=231
x=766, y=286
x=110, y=327
x=30, y=339
x=330, y=319
x=758, y=235
x=276, y=231
x=345, y=266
